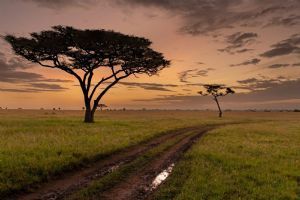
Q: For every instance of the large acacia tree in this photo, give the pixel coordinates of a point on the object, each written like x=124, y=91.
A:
x=98, y=59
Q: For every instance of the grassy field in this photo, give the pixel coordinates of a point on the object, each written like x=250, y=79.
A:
x=35, y=145
x=246, y=161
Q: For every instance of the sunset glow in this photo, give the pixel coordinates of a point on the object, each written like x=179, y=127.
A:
x=252, y=46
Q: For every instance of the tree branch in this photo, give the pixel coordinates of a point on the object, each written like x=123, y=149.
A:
x=102, y=81
x=59, y=65
x=113, y=71
x=40, y=63
x=105, y=90
x=89, y=81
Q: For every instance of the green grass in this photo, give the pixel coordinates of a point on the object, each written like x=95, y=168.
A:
x=35, y=145
x=246, y=161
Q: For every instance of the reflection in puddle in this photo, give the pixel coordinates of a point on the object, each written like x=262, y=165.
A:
x=114, y=168
x=161, y=177
x=103, y=173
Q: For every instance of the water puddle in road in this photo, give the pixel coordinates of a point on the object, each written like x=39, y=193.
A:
x=107, y=171
x=162, y=177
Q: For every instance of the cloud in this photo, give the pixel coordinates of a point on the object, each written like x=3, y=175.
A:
x=238, y=41
x=253, y=61
x=296, y=65
x=284, y=47
x=32, y=90
x=276, y=92
x=199, y=16
x=193, y=73
x=47, y=86
x=17, y=90
x=248, y=81
x=184, y=75
x=274, y=66
x=239, y=38
x=207, y=16
x=262, y=83
x=244, y=50
x=270, y=10
x=145, y=86
x=150, y=86
x=204, y=72
x=289, y=21
x=60, y=4
x=12, y=73
x=195, y=84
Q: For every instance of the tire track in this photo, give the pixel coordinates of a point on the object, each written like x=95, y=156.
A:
x=139, y=185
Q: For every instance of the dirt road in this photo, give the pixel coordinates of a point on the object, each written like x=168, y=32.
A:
x=138, y=183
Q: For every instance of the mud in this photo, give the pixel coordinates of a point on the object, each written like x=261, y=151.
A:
x=140, y=184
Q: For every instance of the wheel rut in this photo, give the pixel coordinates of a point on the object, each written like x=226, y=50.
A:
x=139, y=185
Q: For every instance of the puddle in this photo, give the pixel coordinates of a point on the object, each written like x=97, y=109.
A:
x=113, y=168
x=108, y=171
x=161, y=177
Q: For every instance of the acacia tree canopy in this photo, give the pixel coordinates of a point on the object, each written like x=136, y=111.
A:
x=81, y=52
x=216, y=90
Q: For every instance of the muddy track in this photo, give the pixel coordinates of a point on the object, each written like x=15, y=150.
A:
x=139, y=185
x=70, y=182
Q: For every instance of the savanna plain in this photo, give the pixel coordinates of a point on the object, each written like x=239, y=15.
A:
x=244, y=155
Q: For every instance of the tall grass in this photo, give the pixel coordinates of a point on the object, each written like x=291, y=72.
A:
x=35, y=145
x=249, y=161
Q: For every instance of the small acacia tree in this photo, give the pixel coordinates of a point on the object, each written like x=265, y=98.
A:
x=83, y=53
x=216, y=91
x=101, y=106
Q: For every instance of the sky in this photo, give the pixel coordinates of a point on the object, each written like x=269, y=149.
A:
x=252, y=46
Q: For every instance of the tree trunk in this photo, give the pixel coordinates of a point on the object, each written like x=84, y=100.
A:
x=89, y=116
x=220, y=114
x=220, y=111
